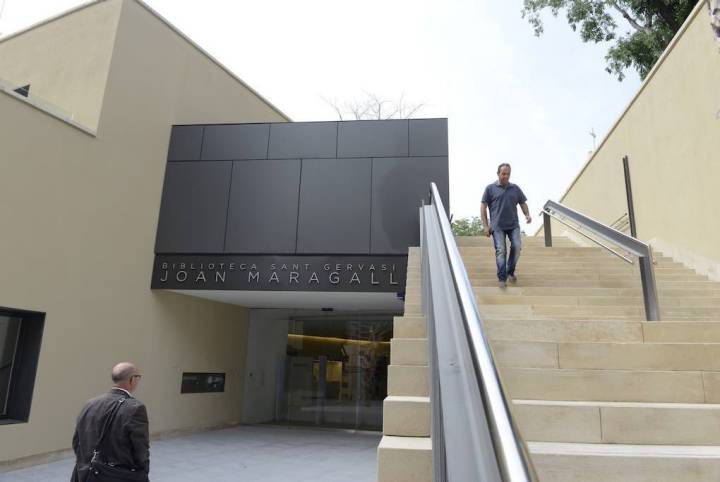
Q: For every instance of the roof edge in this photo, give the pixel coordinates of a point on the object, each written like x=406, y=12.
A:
x=51, y=19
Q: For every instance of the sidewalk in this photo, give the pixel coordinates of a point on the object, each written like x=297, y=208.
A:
x=248, y=454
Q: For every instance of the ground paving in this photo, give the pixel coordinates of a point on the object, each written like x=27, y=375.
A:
x=248, y=454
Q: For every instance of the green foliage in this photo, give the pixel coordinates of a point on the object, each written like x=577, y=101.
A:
x=652, y=24
x=467, y=226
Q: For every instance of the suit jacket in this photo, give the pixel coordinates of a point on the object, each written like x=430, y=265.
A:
x=127, y=442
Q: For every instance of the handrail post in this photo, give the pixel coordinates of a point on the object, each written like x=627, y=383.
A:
x=548, y=230
x=649, y=288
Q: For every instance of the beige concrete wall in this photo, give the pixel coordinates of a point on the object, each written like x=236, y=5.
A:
x=65, y=60
x=671, y=132
x=79, y=216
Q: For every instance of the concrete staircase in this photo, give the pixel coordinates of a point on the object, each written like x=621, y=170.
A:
x=405, y=451
x=598, y=393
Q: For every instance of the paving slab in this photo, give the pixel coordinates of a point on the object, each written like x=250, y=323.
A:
x=246, y=453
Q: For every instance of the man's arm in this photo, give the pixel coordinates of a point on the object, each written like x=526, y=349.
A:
x=140, y=438
x=76, y=444
x=526, y=212
x=484, y=216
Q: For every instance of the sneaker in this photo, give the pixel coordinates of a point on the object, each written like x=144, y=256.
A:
x=502, y=284
x=512, y=278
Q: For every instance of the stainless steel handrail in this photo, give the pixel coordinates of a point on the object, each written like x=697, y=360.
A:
x=579, y=231
x=621, y=218
x=512, y=457
x=618, y=238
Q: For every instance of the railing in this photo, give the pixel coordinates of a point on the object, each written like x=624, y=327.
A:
x=474, y=436
x=622, y=223
x=584, y=225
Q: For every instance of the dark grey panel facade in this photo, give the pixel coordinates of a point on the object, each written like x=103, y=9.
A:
x=235, y=142
x=428, y=137
x=373, y=138
x=194, y=207
x=185, y=143
x=398, y=186
x=327, y=188
x=334, y=214
x=262, y=215
x=303, y=140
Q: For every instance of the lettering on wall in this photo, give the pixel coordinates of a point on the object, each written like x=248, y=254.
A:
x=280, y=273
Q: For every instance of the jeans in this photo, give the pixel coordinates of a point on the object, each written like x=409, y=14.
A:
x=506, y=264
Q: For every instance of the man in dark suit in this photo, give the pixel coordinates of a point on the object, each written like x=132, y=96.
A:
x=127, y=442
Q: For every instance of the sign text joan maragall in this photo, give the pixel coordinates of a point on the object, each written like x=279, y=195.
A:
x=280, y=273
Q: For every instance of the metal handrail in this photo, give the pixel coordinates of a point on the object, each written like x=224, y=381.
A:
x=618, y=238
x=511, y=454
x=621, y=218
x=581, y=233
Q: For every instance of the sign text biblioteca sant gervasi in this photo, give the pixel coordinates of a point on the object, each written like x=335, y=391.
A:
x=280, y=273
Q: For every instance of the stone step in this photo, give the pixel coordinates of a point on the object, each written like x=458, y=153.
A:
x=413, y=310
x=408, y=351
x=563, y=462
x=579, y=291
x=558, y=330
x=409, y=327
x=618, y=422
x=490, y=277
x=616, y=300
x=408, y=380
x=682, y=331
x=612, y=385
x=608, y=356
x=559, y=310
x=640, y=356
x=559, y=241
x=406, y=416
x=565, y=330
x=405, y=459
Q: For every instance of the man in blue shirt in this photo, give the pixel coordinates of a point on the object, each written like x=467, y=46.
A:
x=502, y=197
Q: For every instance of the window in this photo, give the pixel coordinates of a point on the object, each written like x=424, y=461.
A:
x=20, y=337
x=202, y=382
x=9, y=333
x=24, y=90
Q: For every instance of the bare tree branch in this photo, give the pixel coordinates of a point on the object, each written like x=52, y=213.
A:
x=375, y=107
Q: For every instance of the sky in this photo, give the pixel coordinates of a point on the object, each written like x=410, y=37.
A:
x=509, y=96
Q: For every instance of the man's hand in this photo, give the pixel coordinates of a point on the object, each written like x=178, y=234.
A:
x=528, y=219
x=486, y=230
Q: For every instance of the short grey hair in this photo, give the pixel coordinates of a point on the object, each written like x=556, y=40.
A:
x=504, y=164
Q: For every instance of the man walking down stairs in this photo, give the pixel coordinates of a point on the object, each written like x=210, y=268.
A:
x=599, y=394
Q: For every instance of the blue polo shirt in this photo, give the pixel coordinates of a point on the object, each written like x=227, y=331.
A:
x=503, y=202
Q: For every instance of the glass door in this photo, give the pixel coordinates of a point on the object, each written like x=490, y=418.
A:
x=336, y=372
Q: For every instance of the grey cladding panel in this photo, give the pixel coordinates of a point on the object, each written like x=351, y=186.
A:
x=263, y=206
x=185, y=143
x=428, y=137
x=373, y=138
x=334, y=206
x=194, y=204
x=398, y=187
x=303, y=140
x=235, y=142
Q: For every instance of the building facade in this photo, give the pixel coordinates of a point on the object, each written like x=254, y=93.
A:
x=105, y=194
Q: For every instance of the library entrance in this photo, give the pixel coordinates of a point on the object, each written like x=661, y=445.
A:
x=335, y=372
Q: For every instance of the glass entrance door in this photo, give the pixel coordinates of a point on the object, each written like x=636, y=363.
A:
x=336, y=373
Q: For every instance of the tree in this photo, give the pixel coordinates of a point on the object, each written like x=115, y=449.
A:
x=467, y=226
x=649, y=27
x=374, y=107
